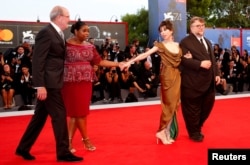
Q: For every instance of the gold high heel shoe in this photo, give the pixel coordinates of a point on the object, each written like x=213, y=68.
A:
x=88, y=145
x=163, y=138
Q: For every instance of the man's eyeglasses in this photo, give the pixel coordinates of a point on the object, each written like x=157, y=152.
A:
x=199, y=26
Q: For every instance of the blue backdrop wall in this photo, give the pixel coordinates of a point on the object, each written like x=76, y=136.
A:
x=229, y=37
x=174, y=10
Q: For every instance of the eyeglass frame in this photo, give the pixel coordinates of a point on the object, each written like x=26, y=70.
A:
x=199, y=26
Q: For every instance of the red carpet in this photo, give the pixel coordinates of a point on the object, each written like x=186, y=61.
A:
x=126, y=136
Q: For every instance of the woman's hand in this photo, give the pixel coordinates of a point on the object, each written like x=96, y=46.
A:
x=122, y=65
x=188, y=55
x=125, y=65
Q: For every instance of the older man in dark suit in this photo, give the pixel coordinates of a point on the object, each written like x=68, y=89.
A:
x=199, y=77
x=47, y=65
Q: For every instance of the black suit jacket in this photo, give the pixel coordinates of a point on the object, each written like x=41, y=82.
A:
x=193, y=76
x=48, y=59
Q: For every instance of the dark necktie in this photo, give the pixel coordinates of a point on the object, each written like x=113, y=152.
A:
x=202, y=43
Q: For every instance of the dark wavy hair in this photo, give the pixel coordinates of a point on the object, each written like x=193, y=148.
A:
x=168, y=24
x=76, y=26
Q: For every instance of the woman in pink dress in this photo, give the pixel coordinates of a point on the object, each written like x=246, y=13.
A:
x=78, y=79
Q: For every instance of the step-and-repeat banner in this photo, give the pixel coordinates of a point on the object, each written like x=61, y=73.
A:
x=229, y=37
x=13, y=34
x=174, y=10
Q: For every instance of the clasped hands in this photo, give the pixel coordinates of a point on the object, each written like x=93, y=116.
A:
x=127, y=64
x=123, y=65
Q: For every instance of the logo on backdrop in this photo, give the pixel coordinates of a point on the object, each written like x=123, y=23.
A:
x=6, y=35
x=172, y=16
x=248, y=41
x=28, y=37
x=235, y=41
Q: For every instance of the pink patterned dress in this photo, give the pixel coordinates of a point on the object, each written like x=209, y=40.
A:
x=78, y=78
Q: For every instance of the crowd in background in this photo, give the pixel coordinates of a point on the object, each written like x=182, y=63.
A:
x=16, y=76
x=142, y=76
x=234, y=68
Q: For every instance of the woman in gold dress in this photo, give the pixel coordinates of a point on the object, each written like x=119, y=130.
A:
x=170, y=80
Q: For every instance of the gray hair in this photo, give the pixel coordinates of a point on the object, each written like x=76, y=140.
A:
x=56, y=11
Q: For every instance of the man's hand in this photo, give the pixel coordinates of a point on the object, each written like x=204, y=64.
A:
x=206, y=64
x=41, y=93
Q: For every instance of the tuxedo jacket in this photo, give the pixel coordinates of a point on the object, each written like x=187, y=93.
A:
x=192, y=75
x=48, y=58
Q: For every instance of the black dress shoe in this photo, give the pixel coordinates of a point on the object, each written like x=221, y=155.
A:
x=25, y=155
x=202, y=135
x=69, y=158
x=197, y=137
